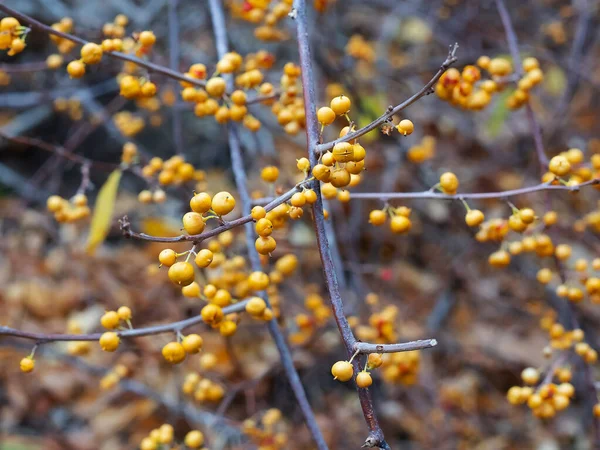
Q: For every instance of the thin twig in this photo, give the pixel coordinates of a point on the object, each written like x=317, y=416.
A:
x=137, y=332
x=366, y=348
x=513, y=46
x=392, y=111
x=174, y=65
x=246, y=219
x=431, y=195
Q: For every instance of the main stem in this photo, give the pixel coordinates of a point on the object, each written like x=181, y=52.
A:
x=375, y=437
x=237, y=164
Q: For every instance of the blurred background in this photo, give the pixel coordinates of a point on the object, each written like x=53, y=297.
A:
x=433, y=282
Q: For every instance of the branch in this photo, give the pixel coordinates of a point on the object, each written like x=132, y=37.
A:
x=376, y=437
x=246, y=219
x=366, y=348
x=237, y=164
x=548, y=186
x=157, y=329
x=425, y=90
x=61, y=151
x=513, y=46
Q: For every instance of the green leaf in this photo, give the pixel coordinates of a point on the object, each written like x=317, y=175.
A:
x=373, y=106
x=499, y=114
x=103, y=211
x=555, y=81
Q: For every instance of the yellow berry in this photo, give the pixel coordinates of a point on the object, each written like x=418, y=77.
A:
x=110, y=320
x=192, y=343
x=343, y=152
x=364, y=380
x=147, y=38
x=212, y=314
x=192, y=290
x=216, y=87
x=181, y=273
x=193, y=223
x=303, y=164
x=76, y=69
x=256, y=306
x=449, y=183
x=270, y=174
x=405, y=127
x=530, y=375
x=200, y=203
x=559, y=166
x=340, y=105
x=109, y=341
x=474, y=218
x=204, y=258
x=377, y=217
x=194, y=439
x=27, y=364
x=265, y=245
x=258, y=212
x=91, y=53
x=400, y=224
x=342, y=370
x=173, y=352
x=325, y=115
x=223, y=203
x=167, y=257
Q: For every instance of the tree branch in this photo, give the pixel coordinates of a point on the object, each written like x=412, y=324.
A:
x=246, y=219
x=237, y=164
x=138, y=332
x=425, y=90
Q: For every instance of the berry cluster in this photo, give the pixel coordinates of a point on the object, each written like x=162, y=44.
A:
x=423, y=151
x=308, y=323
x=114, y=376
x=65, y=25
x=399, y=218
x=68, y=211
x=128, y=123
x=12, y=36
x=163, y=437
x=289, y=106
x=401, y=368
x=77, y=348
x=173, y=171
x=215, y=100
x=547, y=398
x=266, y=15
x=202, y=389
x=267, y=430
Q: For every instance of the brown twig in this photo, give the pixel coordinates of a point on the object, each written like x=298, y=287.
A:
x=392, y=111
x=228, y=225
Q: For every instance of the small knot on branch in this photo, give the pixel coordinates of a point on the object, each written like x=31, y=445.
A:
x=125, y=226
x=373, y=441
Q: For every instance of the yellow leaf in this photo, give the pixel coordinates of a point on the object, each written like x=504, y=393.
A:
x=103, y=210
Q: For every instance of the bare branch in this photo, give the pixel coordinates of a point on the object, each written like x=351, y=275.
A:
x=391, y=112
x=138, y=332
